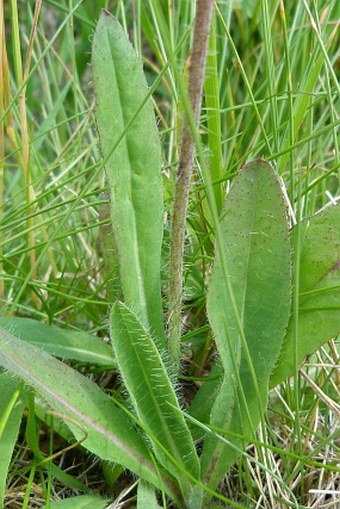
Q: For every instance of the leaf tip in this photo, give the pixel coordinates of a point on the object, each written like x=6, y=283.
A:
x=105, y=12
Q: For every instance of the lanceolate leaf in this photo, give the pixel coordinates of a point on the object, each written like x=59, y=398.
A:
x=152, y=395
x=68, y=344
x=110, y=434
x=130, y=146
x=79, y=502
x=248, y=306
x=319, y=289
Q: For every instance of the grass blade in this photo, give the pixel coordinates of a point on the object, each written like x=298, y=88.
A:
x=12, y=404
x=213, y=108
x=131, y=150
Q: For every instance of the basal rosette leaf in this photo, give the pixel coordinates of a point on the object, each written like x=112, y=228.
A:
x=109, y=433
x=319, y=290
x=130, y=145
x=153, y=397
x=248, y=307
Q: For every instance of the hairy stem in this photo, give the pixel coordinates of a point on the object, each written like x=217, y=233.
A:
x=195, y=86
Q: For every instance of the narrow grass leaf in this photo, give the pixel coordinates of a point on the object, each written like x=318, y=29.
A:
x=319, y=285
x=12, y=404
x=212, y=105
x=152, y=394
x=110, y=435
x=51, y=120
x=309, y=79
x=68, y=344
x=130, y=145
x=248, y=306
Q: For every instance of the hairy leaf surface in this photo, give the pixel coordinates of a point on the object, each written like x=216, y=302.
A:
x=319, y=290
x=131, y=149
x=248, y=306
x=152, y=394
x=110, y=434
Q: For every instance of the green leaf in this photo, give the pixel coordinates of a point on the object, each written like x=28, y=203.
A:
x=68, y=344
x=38, y=408
x=152, y=395
x=205, y=397
x=248, y=307
x=319, y=290
x=110, y=435
x=146, y=496
x=130, y=145
x=12, y=404
x=80, y=502
x=213, y=109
